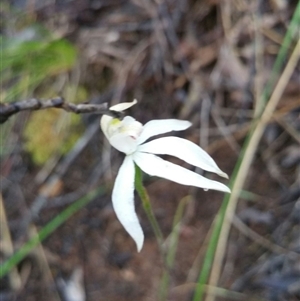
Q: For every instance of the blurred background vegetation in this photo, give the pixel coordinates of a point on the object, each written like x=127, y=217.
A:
x=207, y=61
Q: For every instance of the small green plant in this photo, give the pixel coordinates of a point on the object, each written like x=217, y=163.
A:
x=30, y=58
x=32, y=63
x=44, y=135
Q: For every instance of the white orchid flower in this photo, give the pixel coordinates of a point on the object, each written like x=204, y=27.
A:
x=128, y=136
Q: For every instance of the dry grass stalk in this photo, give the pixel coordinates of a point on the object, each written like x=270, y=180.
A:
x=246, y=163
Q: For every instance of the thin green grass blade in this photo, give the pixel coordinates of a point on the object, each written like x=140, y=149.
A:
x=173, y=244
x=175, y=231
x=210, y=253
x=47, y=230
x=291, y=34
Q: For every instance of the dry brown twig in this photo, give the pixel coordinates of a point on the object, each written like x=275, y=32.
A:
x=9, y=109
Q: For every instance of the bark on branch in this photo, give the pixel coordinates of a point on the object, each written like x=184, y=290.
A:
x=9, y=109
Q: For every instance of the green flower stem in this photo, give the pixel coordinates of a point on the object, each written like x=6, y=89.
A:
x=155, y=226
x=47, y=230
x=147, y=206
x=172, y=246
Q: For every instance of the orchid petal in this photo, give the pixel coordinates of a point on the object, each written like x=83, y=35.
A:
x=156, y=166
x=157, y=127
x=123, y=106
x=184, y=150
x=123, y=201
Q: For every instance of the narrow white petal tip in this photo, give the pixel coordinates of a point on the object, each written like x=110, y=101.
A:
x=139, y=244
x=223, y=174
x=123, y=106
x=227, y=190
